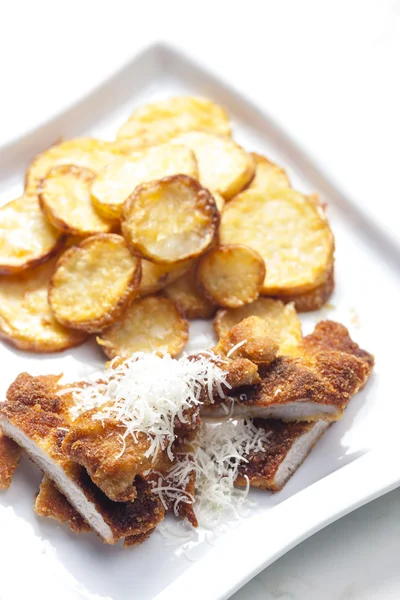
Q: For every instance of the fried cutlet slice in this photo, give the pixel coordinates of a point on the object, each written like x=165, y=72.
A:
x=50, y=502
x=112, y=461
x=10, y=454
x=33, y=415
x=287, y=446
x=250, y=339
x=317, y=384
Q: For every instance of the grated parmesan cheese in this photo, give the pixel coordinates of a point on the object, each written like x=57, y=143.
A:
x=148, y=393
x=218, y=452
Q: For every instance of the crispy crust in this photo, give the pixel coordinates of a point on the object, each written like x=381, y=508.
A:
x=95, y=445
x=329, y=369
x=261, y=469
x=23, y=220
x=282, y=321
x=231, y=275
x=188, y=298
x=187, y=202
x=257, y=344
x=10, y=454
x=50, y=502
x=56, y=197
x=73, y=306
x=32, y=406
x=313, y=300
x=134, y=331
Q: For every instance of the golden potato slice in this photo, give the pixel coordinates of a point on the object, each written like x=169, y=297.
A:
x=170, y=220
x=27, y=239
x=94, y=282
x=155, y=276
x=231, y=276
x=224, y=167
x=82, y=152
x=269, y=177
x=159, y=122
x=314, y=299
x=288, y=231
x=65, y=198
x=188, y=298
x=219, y=201
x=26, y=319
x=282, y=320
x=151, y=324
x=120, y=178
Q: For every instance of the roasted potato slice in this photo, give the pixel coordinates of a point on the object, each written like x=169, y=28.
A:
x=281, y=319
x=65, y=198
x=151, y=324
x=189, y=299
x=120, y=178
x=27, y=239
x=26, y=319
x=94, y=282
x=155, y=276
x=224, y=167
x=231, y=276
x=269, y=177
x=82, y=152
x=170, y=220
x=219, y=201
x=314, y=299
x=159, y=122
x=289, y=232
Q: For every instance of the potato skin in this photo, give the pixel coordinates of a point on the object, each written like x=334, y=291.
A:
x=31, y=203
x=163, y=308
x=234, y=258
x=93, y=325
x=191, y=302
x=199, y=199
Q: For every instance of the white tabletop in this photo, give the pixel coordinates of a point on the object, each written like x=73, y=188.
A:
x=329, y=72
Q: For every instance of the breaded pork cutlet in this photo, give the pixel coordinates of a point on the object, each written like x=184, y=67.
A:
x=51, y=503
x=34, y=416
x=288, y=444
x=317, y=384
x=10, y=454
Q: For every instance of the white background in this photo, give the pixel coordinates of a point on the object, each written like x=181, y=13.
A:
x=329, y=71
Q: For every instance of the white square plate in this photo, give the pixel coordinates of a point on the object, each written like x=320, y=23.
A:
x=353, y=463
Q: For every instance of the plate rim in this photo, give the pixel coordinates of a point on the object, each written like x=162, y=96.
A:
x=207, y=570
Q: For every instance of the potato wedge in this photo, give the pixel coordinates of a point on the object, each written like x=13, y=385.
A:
x=281, y=319
x=82, y=152
x=119, y=179
x=188, y=298
x=314, y=299
x=231, y=276
x=224, y=167
x=94, y=283
x=159, y=122
x=26, y=319
x=27, y=239
x=288, y=231
x=269, y=177
x=155, y=277
x=170, y=220
x=64, y=195
x=151, y=324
